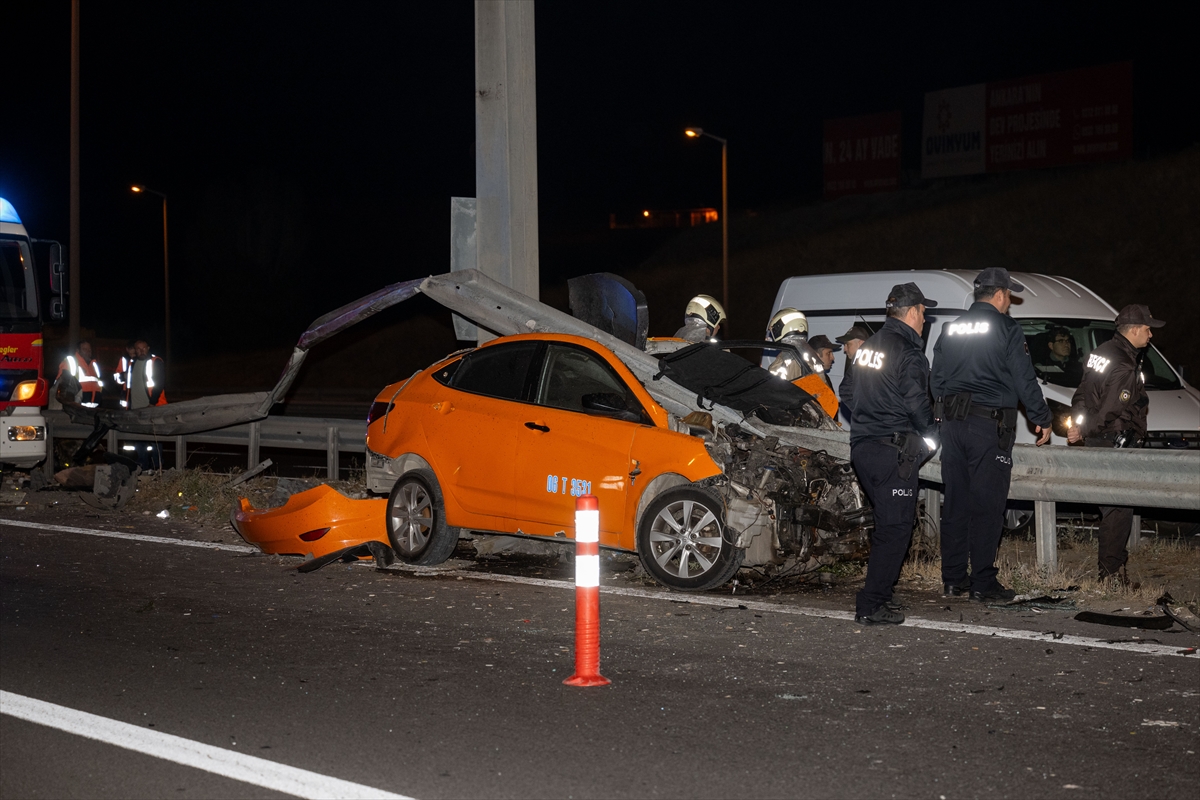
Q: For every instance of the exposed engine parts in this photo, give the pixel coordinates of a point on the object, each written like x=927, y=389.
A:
x=794, y=508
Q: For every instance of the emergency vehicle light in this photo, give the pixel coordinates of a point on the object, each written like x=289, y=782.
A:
x=26, y=433
x=25, y=390
x=8, y=213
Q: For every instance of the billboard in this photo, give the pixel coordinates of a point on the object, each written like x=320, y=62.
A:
x=862, y=154
x=1075, y=117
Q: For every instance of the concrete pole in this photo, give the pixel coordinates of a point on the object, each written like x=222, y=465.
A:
x=506, y=144
x=73, y=263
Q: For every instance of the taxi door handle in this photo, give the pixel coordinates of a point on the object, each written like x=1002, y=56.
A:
x=534, y=426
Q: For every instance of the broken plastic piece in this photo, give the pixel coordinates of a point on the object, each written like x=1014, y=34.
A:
x=1156, y=622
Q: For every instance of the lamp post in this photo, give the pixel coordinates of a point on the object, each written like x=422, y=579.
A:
x=166, y=267
x=695, y=133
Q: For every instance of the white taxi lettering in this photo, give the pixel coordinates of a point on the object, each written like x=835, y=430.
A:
x=1098, y=363
x=960, y=328
x=576, y=487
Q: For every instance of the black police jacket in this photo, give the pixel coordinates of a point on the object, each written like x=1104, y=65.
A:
x=983, y=352
x=1112, y=396
x=891, y=385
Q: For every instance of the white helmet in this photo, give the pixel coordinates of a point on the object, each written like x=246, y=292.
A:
x=705, y=308
x=787, y=321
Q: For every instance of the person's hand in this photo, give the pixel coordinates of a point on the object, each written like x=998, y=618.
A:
x=1074, y=434
x=1044, y=435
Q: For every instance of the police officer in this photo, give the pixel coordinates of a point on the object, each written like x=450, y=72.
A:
x=851, y=340
x=1109, y=410
x=701, y=319
x=790, y=326
x=981, y=369
x=893, y=433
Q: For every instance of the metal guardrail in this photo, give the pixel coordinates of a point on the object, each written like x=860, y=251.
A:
x=1047, y=475
x=334, y=436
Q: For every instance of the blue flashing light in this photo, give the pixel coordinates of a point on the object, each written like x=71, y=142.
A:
x=7, y=212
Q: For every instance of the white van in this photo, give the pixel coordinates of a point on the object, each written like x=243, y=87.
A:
x=1048, y=307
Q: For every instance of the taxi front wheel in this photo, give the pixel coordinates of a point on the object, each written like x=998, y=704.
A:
x=682, y=541
x=416, y=520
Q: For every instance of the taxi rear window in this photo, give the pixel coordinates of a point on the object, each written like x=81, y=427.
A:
x=501, y=370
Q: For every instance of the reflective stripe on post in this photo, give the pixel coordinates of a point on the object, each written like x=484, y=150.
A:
x=587, y=594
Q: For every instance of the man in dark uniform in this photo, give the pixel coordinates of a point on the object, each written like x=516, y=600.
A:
x=852, y=339
x=1109, y=410
x=981, y=368
x=893, y=434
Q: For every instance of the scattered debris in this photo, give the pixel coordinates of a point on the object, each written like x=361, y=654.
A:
x=383, y=555
x=1179, y=612
x=1154, y=622
x=1160, y=723
x=164, y=514
x=250, y=473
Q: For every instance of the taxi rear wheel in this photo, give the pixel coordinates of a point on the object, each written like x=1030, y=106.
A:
x=683, y=543
x=416, y=520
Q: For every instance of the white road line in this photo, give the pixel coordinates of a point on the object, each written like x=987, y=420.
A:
x=137, y=537
x=230, y=764
x=1143, y=648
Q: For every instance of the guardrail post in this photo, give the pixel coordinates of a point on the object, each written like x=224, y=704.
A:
x=111, y=442
x=933, y=515
x=48, y=464
x=180, y=452
x=331, y=453
x=1047, y=534
x=253, y=459
x=1135, y=533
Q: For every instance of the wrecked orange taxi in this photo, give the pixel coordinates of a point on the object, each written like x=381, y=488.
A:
x=317, y=522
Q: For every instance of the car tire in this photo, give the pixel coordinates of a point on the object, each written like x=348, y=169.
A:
x=416, y=520
x=683, y=543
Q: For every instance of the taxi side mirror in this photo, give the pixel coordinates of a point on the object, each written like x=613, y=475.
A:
x=610, y=404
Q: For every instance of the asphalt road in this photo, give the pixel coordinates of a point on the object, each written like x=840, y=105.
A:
x=450, y=685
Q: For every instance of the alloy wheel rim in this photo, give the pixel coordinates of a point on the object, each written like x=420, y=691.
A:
x=412, y=517
x=685, y=539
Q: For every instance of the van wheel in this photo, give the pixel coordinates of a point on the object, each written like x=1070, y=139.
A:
x=416, y=520
x=682, y=541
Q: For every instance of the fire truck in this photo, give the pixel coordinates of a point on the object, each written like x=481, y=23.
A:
x=24, y=388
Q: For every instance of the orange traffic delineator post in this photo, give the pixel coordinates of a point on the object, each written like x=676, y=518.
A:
x=587, y=594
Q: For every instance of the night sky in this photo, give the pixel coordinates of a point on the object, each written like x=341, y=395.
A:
x=310, y=149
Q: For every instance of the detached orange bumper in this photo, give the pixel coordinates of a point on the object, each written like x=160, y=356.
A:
x=317, y=522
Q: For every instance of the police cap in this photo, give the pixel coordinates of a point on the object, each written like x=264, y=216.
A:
x=855, y=332
x=1136, y=314
x=903, y=295
x=822, y=341
x=998, y=277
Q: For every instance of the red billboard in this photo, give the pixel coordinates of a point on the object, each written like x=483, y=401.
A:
x=862, y=154
x=1065, y=118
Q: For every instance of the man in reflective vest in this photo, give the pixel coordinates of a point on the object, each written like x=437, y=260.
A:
x=145, y=378
x=86, y=372
x=123, y=368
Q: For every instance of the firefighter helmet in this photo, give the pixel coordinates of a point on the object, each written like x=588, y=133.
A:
x=705, y=308
x=787, y=321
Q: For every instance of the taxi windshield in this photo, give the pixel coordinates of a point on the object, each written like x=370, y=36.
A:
x=1060, y=347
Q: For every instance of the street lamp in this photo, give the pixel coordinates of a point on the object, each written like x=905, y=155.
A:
x=696, y=133
x=137, y=189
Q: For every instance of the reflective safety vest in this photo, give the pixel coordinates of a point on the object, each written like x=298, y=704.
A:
x=119, y=375
x=87, y=373
x=154, y=392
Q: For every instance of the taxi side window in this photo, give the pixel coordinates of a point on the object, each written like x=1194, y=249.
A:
x=571, y=373
x=497, y=371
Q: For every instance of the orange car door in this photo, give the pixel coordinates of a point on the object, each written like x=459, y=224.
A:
x=473, y=424
x=566, y=449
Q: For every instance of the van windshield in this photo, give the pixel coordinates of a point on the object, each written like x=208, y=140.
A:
x=1060, y=347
